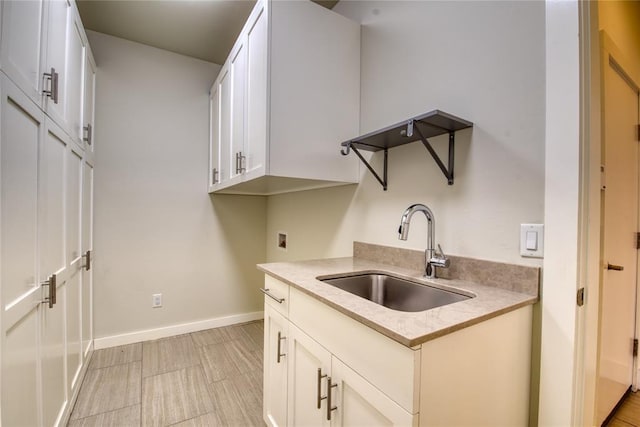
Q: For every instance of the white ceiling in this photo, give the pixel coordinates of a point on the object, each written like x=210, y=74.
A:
x=204, y=29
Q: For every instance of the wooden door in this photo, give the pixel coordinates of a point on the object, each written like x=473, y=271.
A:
x=275, y=368
x=620, y=224
x=21, y=134
x=21, y=45
x=309, y=368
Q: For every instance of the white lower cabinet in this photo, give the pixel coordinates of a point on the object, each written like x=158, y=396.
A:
x=276, y=329
x=309, y=370
x=308, y=385
x=323, y=368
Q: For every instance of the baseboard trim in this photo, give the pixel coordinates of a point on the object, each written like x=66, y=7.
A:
x=168, y=331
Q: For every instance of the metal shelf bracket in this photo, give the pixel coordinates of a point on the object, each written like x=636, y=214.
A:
x=383, y=181
x=419, y=128
x=446, y=170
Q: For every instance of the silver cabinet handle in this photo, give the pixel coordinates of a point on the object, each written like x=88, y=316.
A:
x=270, y=295
x=51, y=283
x=89, y=138
x=614, y=267
x=240, y=162
x=87, y=263
x=330, y=408
x=319, y=396
x=280, y=338
x=53, y=87
x=214, y=176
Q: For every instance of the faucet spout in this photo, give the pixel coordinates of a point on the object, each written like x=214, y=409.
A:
x=431, y=259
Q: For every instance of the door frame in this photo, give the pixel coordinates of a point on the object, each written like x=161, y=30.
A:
x=596, y=47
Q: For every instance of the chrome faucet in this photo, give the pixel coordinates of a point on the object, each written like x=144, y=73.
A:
x=432, y=258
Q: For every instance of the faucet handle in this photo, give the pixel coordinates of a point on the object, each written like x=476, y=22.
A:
x=440, y=259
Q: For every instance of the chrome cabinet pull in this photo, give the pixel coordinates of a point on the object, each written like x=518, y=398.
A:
x=87, y=263
x=330, y=408
x=89, y=130
x=240, y=162
x=614, y=267
x=51, y=283
x=280, y=338
x=270, y=295
x=53, y=85
x=214, y=176
x=319, y=396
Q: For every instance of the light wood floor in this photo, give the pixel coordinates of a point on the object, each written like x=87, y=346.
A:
x=207, y=378
x=629, y=412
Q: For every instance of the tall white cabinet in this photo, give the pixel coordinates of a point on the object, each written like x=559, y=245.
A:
x=47, y=81
x=284, y=99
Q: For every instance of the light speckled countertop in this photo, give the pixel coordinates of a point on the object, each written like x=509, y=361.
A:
x=409, y=329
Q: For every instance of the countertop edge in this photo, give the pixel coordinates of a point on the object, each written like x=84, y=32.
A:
x=407, y=342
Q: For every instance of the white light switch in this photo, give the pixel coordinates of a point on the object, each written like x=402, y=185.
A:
x=532, y=240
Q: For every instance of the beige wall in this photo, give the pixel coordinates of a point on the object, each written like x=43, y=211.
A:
x=482, y=61
x=621, y=21
x=156, y=228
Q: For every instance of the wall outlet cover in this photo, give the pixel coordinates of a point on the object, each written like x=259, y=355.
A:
x=156, y=301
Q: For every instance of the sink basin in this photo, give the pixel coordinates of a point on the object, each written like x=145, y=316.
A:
x=395, y=293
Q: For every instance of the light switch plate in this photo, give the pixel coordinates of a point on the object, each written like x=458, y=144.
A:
x=532, y=236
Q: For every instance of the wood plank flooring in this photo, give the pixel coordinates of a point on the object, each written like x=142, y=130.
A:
x=628, y=414
x=207, y=378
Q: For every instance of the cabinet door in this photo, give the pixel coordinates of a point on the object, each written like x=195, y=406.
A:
x=238, y=71
x=65, y=54
x=21, y=133
x=58, y=15
x=214, y=136
x=87, y=251
x=275, y=368
x=89, y=90
x=74, y=259
x=53, y=259
x=359, y=403
x=309, y=366
x=256, y=117
x=74, y=96
x=226, y=157
x=21, y=47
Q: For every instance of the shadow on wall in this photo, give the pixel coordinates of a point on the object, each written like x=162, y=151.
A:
x=316, y=222
x=242, y=227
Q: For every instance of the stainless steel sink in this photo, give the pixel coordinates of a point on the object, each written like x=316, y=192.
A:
x=395, y=293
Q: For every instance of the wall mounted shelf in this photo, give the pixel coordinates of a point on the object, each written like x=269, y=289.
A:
x=419, y=128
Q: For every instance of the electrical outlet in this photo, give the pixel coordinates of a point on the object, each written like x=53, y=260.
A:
x=157, y=301
x=282, y=240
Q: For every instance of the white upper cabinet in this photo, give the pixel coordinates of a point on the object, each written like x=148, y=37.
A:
x=88, y=108
x=22, y=37
x=289, y=94
x=64, y=62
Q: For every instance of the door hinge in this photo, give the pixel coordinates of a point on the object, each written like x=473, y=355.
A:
x=580, y=297
x=635, y=347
